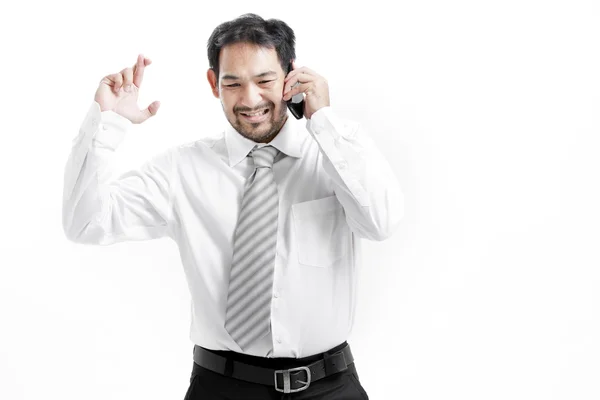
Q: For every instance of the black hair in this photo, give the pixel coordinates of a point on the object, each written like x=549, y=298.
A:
x=251, y=28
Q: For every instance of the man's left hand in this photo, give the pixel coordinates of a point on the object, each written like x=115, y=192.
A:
x=313, y=85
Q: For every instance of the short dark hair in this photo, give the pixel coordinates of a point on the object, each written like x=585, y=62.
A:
x=251, y=28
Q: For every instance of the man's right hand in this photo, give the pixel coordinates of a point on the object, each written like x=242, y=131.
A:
x=113, y=95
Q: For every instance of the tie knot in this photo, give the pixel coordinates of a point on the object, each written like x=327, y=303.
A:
x=264, y=156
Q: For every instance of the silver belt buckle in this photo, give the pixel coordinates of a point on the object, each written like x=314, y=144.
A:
x=286, y=380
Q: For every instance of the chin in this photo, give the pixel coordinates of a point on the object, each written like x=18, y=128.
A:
x=254, y=131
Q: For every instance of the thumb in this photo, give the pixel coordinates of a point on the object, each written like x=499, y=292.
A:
x=150, y=111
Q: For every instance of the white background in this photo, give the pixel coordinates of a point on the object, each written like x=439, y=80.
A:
x=489, y=113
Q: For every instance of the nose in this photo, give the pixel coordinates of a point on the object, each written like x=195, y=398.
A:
x=251, y=95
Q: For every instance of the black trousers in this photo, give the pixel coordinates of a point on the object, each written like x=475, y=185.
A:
x=208, y=385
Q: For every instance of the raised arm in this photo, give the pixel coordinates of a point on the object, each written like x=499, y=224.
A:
x=99, y=208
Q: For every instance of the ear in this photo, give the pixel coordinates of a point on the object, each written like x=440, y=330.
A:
x=212, y=80
x=289, y=65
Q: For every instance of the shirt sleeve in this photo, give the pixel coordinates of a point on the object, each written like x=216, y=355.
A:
x=101, y=209
x=364, y=182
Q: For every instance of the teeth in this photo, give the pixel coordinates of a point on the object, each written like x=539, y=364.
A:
x=255, y=114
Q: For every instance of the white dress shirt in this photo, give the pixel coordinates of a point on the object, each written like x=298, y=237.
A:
x=335, y=187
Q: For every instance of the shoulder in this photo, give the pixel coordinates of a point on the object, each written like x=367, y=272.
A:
x=204, y=146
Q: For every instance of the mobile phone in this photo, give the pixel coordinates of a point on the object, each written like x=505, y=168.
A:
x=296, y=103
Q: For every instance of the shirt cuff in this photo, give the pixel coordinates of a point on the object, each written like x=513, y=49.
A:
x=324, y=120
x=338, y=142
x=109, y=127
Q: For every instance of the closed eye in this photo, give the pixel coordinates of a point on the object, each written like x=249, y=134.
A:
x=237, y=84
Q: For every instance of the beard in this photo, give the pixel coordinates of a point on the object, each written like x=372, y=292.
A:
x=260, y=132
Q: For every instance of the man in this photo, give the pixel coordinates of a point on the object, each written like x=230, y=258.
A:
x=268, y=216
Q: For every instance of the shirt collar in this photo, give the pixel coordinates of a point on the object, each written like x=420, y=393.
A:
x=287, y=141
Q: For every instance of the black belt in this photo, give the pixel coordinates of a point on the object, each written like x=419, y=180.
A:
x=285, y=380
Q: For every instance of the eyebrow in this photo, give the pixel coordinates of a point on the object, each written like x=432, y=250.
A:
x=229, y=76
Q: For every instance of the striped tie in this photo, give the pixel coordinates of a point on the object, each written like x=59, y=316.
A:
x=248, y=314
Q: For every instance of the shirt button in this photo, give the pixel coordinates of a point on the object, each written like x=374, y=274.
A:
x=342, y=164
x=278, y=339
x=104, y=127
x=276, y=294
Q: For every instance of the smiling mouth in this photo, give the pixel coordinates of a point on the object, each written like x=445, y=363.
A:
x=256, y=114
x=256, y=117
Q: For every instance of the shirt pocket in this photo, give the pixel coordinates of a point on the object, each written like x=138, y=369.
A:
x=322, y=235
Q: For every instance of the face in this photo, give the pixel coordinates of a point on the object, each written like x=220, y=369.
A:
x=250, y=88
